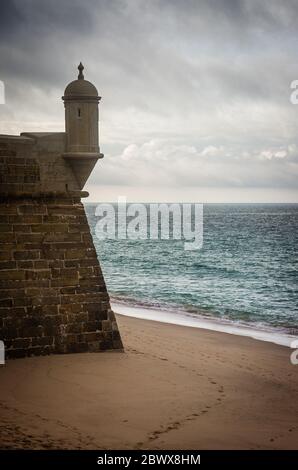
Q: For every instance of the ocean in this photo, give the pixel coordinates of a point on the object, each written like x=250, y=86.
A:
x=243, y=280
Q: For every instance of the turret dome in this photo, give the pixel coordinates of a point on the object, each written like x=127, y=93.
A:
x=80, y=88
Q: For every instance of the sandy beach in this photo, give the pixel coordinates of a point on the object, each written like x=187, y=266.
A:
x=174, y=387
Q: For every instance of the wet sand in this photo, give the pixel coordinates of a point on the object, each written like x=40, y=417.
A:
x=175, y=387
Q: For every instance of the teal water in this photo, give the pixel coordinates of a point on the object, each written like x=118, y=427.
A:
x=246, y=271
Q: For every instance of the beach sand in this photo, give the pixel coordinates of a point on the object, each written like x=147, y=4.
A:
x=174, y=387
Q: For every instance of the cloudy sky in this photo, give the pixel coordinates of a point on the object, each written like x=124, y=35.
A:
x=195, y=93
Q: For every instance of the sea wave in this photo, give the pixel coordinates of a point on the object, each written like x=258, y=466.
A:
x=258, y=331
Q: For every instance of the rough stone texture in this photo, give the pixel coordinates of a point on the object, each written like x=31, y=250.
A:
x=53, y=298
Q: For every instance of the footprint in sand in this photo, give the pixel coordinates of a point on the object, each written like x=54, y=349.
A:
x=212, y=381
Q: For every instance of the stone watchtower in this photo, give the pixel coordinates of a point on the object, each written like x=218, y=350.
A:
x=53, y=298
x=81, y=126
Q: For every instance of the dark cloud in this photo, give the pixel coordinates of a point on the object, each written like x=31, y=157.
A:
x=193, y=74
x=30, y=17
x=10, y=19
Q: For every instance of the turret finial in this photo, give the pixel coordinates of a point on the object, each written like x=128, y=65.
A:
x=81, y=68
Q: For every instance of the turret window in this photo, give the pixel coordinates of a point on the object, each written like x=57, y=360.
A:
x=79, y=112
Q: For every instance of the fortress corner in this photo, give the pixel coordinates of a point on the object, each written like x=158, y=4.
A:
x=53, y=297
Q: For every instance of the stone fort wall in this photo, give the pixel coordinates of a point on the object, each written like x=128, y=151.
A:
x=53, y=297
